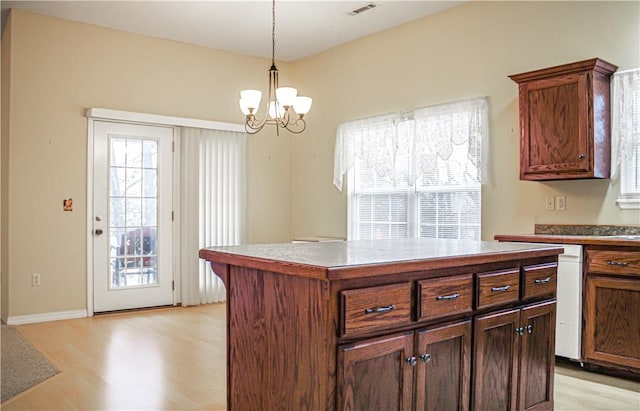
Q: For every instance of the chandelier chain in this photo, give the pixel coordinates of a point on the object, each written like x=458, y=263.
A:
x=273, y=33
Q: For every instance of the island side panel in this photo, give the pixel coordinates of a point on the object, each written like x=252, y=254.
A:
x=279, y=341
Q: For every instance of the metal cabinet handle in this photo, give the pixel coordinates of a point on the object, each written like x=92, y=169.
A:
x=545, y=281
x=448, y=297
x=505, y=288
x=412, y=361
x=425, y=357
x=581, y=156
x=379, y=309
x=530, y=328
x=519, y=330
x=99, y=231
x=618, y=263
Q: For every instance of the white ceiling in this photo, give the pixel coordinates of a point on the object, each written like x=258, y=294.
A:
x=303, y=28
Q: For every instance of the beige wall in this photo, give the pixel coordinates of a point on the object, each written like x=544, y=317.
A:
x=4, y=175
x=59, y=69
x=464, y=52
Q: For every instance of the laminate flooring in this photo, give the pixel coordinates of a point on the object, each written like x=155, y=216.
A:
x=174, y=359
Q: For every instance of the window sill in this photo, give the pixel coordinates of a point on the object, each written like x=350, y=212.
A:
x=628, y=203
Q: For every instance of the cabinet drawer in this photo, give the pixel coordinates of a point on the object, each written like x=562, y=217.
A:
x=539, y=280
x=614, y=262
x=372, y=308
x=445, y=296
x=500, y=287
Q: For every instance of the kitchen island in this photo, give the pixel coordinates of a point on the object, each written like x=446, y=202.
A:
x=389, y=325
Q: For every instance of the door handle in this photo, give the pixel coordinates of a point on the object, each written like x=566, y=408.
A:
x=99, y=231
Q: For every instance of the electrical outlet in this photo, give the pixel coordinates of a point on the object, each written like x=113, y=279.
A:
x=550, y=205
x=561, y=203
x=35, y=279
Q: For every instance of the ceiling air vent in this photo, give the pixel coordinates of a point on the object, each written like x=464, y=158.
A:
x=362, y=9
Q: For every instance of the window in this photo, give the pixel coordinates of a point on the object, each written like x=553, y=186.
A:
x=414, y=174
x=625, y=128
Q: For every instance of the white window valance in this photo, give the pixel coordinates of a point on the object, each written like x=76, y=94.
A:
x=390, y=142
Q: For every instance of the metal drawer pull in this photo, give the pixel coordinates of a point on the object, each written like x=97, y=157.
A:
x=425, y=357
x=448, y=297
x=412, y=361
x=618, y=263
x=505, y=288
x=379, y=310
x=545, y=281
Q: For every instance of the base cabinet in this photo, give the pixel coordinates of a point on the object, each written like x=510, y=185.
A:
x=611, y=330
x=424, y=370
x=377, y=374
x=395, y=336
x=430, y=369
x=611, y=333
x=443, y=381
x=513, y=359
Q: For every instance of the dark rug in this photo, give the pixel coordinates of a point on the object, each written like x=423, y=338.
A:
x=22, y=366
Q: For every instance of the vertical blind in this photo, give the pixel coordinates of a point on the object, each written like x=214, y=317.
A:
x=213, y=186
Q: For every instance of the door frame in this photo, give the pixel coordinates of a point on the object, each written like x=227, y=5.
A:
x=102, y=114
x=175, y=273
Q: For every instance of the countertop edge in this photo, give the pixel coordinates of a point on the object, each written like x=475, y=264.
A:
x=567, y=239
x=373, y=269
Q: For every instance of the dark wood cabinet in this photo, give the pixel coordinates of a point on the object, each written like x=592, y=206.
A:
x=331, y=327
x=565, y=121
x=443, y=379
x=537, y=357
x=611, y=334
x=429, y=370
x=513, y=363
x=377, y=374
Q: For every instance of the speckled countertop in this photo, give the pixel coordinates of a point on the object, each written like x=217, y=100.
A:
x=607, y=235
x=587, y=229
x=322, y=258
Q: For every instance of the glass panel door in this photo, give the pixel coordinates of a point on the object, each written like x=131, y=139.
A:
x=133, y=190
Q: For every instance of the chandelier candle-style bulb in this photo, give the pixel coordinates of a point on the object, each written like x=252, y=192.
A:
x=275, y=110
x=286, y=96
x=302, y=105
x=250, y=101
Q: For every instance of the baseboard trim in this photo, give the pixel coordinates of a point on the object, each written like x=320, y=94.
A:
x=44, y=317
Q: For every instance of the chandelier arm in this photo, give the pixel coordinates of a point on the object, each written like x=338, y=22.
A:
x=304, y=126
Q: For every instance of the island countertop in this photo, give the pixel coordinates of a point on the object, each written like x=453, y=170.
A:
x=351, y=259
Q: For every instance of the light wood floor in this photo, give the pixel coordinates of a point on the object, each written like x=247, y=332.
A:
x=174, y=359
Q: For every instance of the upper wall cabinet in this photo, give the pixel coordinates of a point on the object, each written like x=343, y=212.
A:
x=565, y=121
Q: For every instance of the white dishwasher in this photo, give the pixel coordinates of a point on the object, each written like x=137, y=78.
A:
x=569, y=308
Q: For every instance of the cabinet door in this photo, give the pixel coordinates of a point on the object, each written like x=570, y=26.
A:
x=537, y=357
x=377, y=374
x=612, y=323
x=554, y=126
x=444, y=368
x=496, y=352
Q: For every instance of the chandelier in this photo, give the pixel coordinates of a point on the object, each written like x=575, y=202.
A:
x=284, y=108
